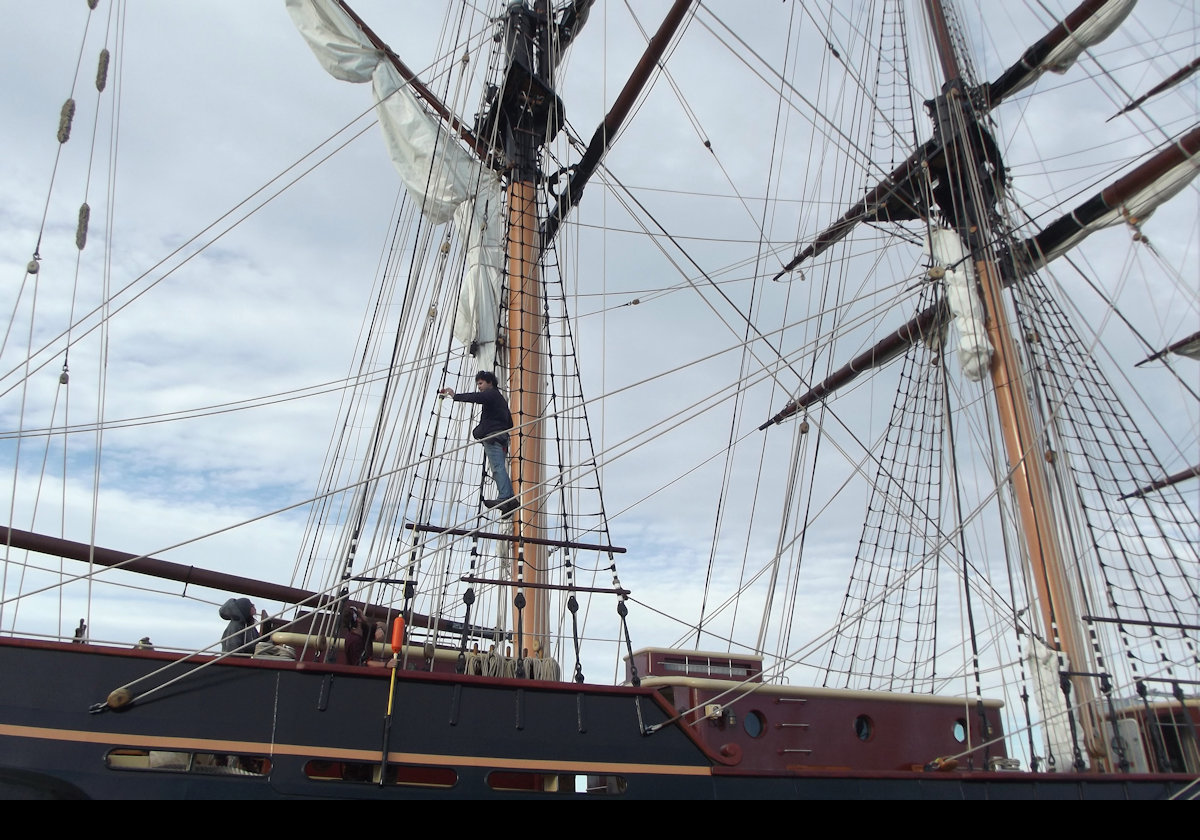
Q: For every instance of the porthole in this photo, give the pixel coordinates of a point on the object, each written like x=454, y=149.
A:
x=755, y=724
x=960, y=730
x=864, y=728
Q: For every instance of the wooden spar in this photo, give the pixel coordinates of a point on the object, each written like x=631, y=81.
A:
x=896, y=197
x=1027, y=478
x=491, y=535
x=883, y=352
x=1161, y=625
x=187, y=575
x=894, y=191
x=1174, y=478
x=523, y=113
x=610, y=126
x=485, y=151
x=553, y=586
x=1189, y=347
x=1166, y=84
x=1029, y=482
x=1029, y=65
x=162, y=569
x=1036, y=251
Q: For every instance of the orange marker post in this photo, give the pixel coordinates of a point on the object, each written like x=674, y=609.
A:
x=397, y=634
x=397, y=644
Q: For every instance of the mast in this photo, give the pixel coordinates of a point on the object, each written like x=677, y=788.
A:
x=973, y=221
x=528, y=113
x=525, y=380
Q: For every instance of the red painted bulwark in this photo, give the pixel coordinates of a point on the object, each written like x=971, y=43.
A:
x=778, y=728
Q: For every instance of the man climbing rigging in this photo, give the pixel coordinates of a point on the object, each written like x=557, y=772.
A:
x=492, y=431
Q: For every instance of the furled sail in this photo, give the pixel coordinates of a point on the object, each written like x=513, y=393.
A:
x=446, y=181
x=929, y=322
x=1131, y=199
x=974, y=350
x=1047, y=671
x=1089, y=24
x=1189, y=347
x=962, y=299
x=899, y=195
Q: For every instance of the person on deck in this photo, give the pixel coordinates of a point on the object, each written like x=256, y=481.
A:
x=494, y=422
x=241, y=629
x=353, y=636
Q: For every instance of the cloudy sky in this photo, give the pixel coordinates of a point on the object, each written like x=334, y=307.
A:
x=217, y=99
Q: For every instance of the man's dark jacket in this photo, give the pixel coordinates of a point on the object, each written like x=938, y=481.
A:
x=495, y=416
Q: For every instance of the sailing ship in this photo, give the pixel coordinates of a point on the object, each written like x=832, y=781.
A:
x=841, y=283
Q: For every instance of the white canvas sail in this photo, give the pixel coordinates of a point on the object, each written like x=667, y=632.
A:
x=480, y=222
x=446, y=181
x=1098, y=27
x=1102, y=23
x=1044, y=664
x=974, y=351
x=1135, y=209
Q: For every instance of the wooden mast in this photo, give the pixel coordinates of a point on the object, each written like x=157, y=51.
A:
x=525, y=351
x=1028, y=480
x=528, y=112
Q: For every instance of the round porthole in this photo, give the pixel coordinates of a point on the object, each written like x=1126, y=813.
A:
x=864, y=728
x=960, y=730
x=755, y=724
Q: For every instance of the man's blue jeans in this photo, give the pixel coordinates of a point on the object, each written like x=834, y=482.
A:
x=497, y=457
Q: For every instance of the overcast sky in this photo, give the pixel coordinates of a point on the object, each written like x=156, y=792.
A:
x=219, y=97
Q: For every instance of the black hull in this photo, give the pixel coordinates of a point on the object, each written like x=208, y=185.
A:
x=472, y=732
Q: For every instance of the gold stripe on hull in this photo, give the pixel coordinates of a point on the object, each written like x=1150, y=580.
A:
x=156, y=742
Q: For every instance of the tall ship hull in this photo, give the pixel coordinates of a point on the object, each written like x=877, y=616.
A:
x=261, y=729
